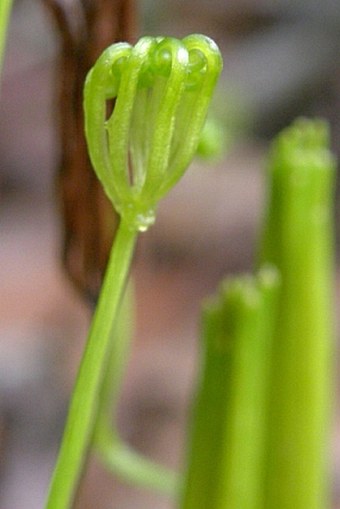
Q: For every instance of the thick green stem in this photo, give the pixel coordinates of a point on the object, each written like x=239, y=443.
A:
x=84, y=402
x=227, y=441
x=201, y=477
x=5, y=9
x=299, y=241
x=251, y=308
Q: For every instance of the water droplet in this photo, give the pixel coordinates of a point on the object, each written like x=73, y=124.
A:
x=139, y=221
x=144, y=221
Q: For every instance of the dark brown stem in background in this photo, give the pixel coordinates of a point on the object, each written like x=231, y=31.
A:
x=85, y=28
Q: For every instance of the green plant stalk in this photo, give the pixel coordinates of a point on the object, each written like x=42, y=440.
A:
x=299, y=240
x=119, y=353
x=83, y=408
x=205, y=431
x=132, y=467
x=251, y=306
x=227, y=444
x=5, y=10
x=117, y=456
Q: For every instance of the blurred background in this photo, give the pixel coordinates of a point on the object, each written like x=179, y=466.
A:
x=281, y=60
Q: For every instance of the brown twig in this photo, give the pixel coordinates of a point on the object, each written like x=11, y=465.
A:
x=85, y=28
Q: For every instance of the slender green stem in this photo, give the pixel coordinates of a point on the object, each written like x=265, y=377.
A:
x=84, y=403
x=5, y=9
x=117, y=456
x=117, y=360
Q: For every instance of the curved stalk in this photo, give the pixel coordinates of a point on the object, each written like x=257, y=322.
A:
x=132, y=467
x=117, y=456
